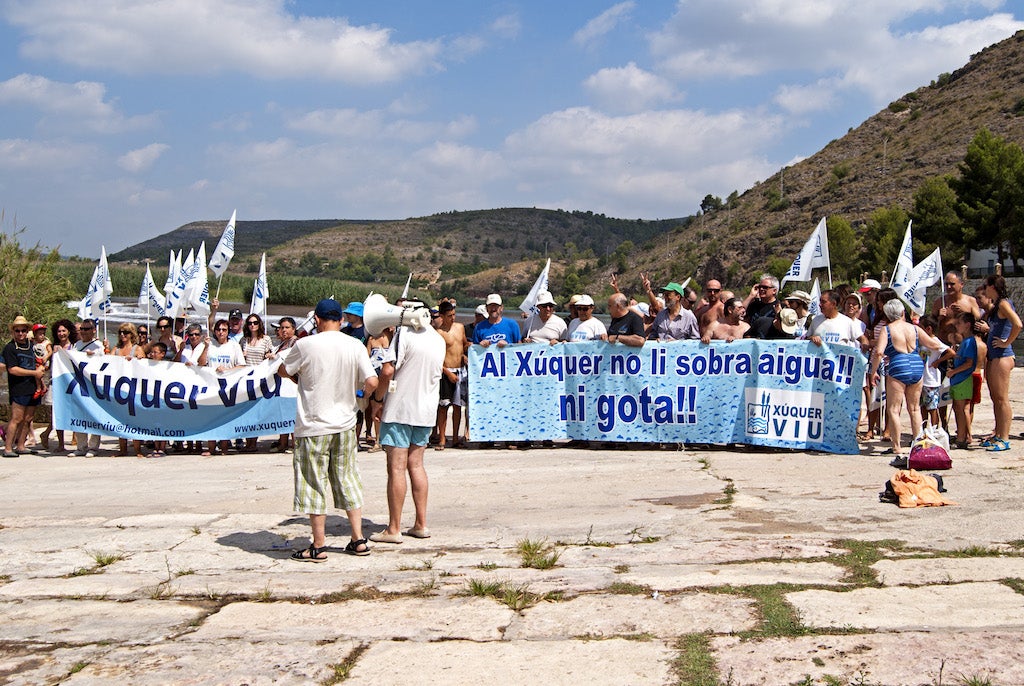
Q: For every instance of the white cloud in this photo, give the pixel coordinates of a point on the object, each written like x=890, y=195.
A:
x=257, y=37
x=603, y=23
x=142, y=158
x=42, y=156
x=802, y=99
x=369, y=125
x=70, y=106
x=629, y=88
x=856, y=45
x=647, y=164
x=507, y=26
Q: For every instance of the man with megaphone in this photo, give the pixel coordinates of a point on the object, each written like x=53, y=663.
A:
x=411, y=373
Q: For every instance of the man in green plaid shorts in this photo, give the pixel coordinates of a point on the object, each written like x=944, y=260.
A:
x=329, y=368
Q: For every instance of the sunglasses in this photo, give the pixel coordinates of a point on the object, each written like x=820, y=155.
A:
x=253, y=323
x=584, y=307
x=21, y=331
x=764, y=288
x=220, y=328
x=713, y=290
x=547, y=307
x=124, y=333
x=163, y=326
x=194, y=334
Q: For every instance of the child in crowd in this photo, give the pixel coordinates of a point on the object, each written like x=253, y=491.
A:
x=44, y=351
x=931, y=391
x=961, y=378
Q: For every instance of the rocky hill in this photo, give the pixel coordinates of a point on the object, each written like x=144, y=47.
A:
x=879, y=164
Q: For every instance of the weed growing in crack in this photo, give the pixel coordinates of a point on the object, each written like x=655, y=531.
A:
x=537, y=554
x=342, y=670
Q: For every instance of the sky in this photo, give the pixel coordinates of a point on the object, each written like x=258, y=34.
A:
x=121, y=120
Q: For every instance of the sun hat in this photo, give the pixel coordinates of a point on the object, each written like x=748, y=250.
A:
x=788, y=319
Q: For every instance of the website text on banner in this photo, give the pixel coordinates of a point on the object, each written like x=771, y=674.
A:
x=786, y=394
x=150, y=400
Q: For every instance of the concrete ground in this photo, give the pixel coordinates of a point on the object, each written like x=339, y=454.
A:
x=667, y=567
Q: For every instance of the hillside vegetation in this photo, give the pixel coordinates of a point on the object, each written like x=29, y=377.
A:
x=878, y=165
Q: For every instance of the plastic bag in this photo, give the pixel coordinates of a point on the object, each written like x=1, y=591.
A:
x=931, y=435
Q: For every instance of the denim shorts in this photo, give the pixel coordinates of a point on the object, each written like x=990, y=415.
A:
x=404, y=435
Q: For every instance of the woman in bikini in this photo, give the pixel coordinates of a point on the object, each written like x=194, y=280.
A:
x=1004, y=325
x=899, y=343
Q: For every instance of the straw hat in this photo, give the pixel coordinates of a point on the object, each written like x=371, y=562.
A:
x=20, y=321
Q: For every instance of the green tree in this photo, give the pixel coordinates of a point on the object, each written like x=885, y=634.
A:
x=31, y=283
x=936, y=222
x=882, y=237
x=710, y=203
x=843, y=248
x=990, y=194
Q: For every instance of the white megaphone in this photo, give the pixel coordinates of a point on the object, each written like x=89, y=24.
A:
x=379, y=314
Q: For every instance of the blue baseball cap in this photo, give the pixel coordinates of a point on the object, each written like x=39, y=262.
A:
x=328, y=308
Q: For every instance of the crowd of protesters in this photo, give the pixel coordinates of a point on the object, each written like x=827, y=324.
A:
x=965, y=338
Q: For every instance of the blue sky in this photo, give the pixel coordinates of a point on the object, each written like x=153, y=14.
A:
x=122, y=120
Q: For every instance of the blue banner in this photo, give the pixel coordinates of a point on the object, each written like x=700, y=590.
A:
x=787, y=394
x=150, y=400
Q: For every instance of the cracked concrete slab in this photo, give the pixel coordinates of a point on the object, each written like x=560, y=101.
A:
x=555, y=663
x=967, y=606
x=603, y=616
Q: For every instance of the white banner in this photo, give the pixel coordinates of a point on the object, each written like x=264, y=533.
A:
x=150, y=400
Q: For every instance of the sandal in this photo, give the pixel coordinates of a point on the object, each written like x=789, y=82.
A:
x=998, y=445
x=357, y=547
x=310, y=554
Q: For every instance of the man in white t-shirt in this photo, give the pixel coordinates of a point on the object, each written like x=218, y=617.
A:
x=544, y=326
x=415, y=361
x=329, y=368
x=586, y=327
x=833, y=327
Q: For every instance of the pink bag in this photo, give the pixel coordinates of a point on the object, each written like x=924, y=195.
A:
x=932, y=457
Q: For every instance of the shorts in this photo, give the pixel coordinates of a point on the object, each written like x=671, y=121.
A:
x=449, y=390
x=978, y=381
x=326, y=461
x=404, y=435
x=930, y=397
x=25, y=400
x=963, y=390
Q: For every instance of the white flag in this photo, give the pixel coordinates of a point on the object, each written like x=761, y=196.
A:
x=197, y=290
x=260, y=295
x=225, y=249
x=814, y=254
x=173, y=269
x=529, y=304
x=87, y=308
x=815, y=307
x=150, y=298
x=405, y=291
x=103, y=284
x=904, y=261
x=176, y=302
x=928, y=272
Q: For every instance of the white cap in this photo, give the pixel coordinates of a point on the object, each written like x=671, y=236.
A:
x=544, y=298
x=493, y=299
x=585, y=300
x=481, y=310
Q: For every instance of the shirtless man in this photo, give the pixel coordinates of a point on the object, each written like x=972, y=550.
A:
x=710, y=301
x=946, y=309
x=731, y=326
x=453, y=376
x=715, y=313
